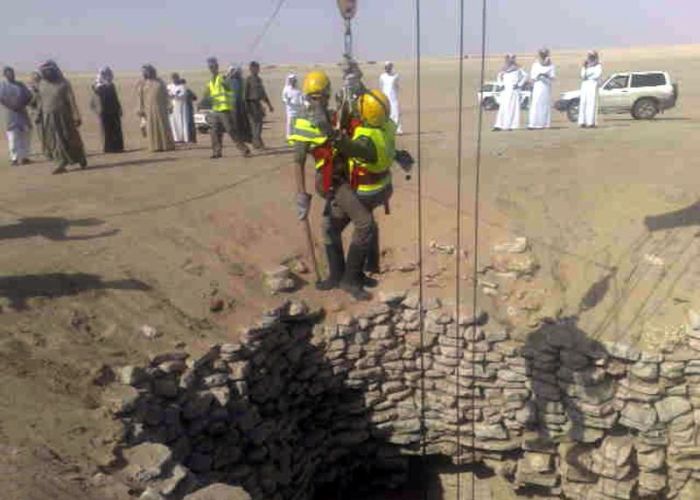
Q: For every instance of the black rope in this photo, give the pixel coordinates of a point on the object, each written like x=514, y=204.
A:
x=458, y=253
x=266, y=27
x=421, y=323
x=477, y=181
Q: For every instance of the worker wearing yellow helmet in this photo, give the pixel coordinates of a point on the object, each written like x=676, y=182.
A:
x=371, y=151
x=313, y=134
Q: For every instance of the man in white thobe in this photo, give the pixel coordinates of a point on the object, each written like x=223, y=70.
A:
x=293, y=100
x=177, y=91
x=542, y=74
x=15, y=96
x=389, y=85
x=512, y=78
x=591, y=72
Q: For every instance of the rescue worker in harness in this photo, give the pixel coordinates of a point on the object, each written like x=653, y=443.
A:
x=371, y=152
x=314, y=134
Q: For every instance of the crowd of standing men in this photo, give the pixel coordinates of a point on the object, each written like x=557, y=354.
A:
x=513, y=79
x=48, y=106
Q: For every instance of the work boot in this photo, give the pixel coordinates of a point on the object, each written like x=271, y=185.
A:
x=372, y=263
x=368, y=282
x=352, y=279
x=336, y=268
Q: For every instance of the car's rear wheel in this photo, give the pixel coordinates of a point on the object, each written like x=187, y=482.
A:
x=645, y=109
x=572, y=111
x=490, y=104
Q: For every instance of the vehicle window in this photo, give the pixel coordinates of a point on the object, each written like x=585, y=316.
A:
x=488, y=88
x=648, y=80
x=618, y=82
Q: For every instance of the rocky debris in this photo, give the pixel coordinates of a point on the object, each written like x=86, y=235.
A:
x=280, y=280
x=219, y=491
x=518, y=245
x=436, y=247
x=216, y=304
x=149, y=332
x=147, y=461
x=296, y=405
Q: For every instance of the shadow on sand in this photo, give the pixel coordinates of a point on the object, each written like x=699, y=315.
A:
x=127, y=163
x=684, y=217
x=19, y=289
x=52, y=228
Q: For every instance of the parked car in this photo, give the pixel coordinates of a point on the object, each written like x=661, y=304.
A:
x=201, y=120
x=490, y=96
x=643, y=94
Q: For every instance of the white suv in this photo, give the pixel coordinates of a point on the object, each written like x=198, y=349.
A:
x=642, y=93
x=490, y=96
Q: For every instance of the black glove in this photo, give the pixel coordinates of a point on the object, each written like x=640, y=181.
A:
x=303, y=205
x=404, y=159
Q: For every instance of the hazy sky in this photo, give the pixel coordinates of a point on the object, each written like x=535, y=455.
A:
x=180, y=34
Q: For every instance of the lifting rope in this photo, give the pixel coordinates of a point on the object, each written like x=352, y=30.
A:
x=458, y=252
x=421, y=284
x=266, y=27
x=477, y=181
x=421, y=297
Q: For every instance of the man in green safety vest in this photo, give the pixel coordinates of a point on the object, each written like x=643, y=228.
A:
x=219, y=94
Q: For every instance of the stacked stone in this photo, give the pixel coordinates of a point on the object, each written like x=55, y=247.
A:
x=298, y=404
x=273, y=414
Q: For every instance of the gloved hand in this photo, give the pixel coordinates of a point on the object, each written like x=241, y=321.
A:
x=404, y=159
x=303, y=205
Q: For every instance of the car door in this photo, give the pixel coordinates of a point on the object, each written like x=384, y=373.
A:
x=615, y=94
x=650, y=85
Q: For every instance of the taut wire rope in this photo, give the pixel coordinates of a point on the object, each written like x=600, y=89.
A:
x=458, y=252
x=421, y=308
x=477, y=186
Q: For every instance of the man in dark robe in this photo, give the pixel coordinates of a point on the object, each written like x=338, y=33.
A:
x=105, y=102
x=61, y=118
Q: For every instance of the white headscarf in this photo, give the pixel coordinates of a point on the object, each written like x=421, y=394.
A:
x=290, y=77
x=105, y=76
x=592, y=59
x=511, y=63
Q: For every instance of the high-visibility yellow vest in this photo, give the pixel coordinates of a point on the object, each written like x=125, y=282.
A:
x=305, y=131
x=384, y=140
x=221, y=96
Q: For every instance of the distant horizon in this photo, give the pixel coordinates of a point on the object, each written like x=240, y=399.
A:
x=82, y=35
x=162, y=70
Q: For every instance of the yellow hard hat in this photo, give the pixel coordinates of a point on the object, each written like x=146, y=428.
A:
x=374, y=107
x=316, y=82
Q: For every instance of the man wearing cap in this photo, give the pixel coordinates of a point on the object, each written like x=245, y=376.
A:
x=255, y=95
x=219, y=93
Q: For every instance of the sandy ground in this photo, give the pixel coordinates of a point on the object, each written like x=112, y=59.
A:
x=137, y=239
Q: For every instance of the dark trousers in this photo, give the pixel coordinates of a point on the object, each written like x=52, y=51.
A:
x=220, y=122
x=371, y=202
x=255, y=116
x=347, y=207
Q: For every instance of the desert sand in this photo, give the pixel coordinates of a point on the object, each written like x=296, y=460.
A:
x=90, y=257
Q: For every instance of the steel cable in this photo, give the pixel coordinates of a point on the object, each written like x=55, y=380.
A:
x=458, y=252
x=477, y=190
x=421, y=308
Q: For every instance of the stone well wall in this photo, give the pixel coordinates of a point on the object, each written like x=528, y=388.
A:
x=301, y=403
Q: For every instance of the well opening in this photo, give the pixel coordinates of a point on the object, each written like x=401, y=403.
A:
x=313, y=407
